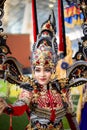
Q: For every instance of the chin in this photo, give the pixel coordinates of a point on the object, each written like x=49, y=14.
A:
x=43, y=83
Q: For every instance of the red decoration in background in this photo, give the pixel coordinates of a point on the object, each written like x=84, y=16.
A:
x=34, y=19
x=62, y=45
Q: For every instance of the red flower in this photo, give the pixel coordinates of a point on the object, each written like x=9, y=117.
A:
x=48, y=26
x=46, y=62
x=38, y=62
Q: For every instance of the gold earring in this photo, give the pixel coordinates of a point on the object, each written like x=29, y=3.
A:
x=53, y=75
x=32, y=74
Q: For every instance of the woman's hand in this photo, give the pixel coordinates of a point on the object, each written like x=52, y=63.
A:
x=3, y=105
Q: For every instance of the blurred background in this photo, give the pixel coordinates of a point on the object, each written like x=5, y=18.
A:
x=17, y=22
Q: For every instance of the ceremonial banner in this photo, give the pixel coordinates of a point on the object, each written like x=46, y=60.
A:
x=73, y=16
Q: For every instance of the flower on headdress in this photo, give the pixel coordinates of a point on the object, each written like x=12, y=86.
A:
x=64, y=65
x=46, y=62
x=38, y=62
x=48, y=25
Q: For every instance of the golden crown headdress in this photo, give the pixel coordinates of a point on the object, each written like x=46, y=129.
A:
x=45, y=49
x=43, y=55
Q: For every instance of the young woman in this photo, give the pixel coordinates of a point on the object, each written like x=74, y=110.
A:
x=46, y=100
x=46, y=103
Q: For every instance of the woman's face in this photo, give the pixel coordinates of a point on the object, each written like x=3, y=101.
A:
x=42, y=74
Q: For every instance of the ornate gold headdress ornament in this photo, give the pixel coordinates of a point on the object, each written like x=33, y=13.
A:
x=43, y=56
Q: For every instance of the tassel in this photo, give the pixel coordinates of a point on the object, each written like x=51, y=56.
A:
x=10, y=128
x=34, y=19
x=52, y=117
x=10, y=123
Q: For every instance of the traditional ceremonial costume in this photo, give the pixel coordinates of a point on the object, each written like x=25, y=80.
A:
x=45, y=105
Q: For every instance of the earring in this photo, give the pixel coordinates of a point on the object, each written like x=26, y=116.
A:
x=53, y=75
x=32, y=74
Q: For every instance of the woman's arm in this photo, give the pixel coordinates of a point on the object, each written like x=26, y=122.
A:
x=19, y=107
x=16, y=109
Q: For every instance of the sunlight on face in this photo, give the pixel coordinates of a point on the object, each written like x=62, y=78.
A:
x=42, y=74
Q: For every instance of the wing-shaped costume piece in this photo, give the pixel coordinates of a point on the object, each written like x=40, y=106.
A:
x=13, y=70
x=77, y=73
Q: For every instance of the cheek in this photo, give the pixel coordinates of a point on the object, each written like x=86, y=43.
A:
x=36, y=76
x=48, y=75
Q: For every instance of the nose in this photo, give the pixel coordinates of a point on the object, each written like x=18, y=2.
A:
x=42, y=73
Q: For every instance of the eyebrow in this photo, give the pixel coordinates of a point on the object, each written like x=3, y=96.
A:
x=37, y=68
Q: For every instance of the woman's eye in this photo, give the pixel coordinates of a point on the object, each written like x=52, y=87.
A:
x=37, y=70
x=48, y=70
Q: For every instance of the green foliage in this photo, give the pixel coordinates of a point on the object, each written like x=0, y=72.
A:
x=3, y=88
x=19, y=122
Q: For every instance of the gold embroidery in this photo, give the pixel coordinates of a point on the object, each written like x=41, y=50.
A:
x=50, y=127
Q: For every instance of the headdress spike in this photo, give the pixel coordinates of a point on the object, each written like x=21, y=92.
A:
x=45, y=48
